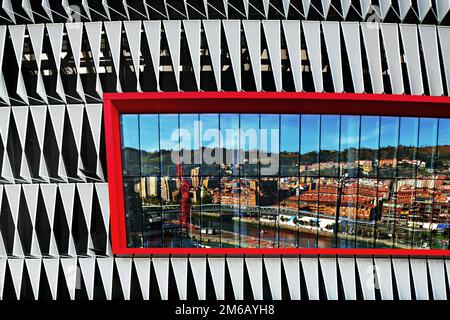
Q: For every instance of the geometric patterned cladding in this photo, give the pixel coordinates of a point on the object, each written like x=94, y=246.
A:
x=56, y=62
x=210, y=278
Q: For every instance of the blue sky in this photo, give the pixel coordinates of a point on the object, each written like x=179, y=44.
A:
x=388, y=131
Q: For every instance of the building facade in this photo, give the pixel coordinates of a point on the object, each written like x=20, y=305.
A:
x=336, y=185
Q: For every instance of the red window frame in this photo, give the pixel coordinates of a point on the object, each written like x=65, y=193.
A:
x=249, y=102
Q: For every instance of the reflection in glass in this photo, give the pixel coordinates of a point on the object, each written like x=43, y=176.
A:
x=426, y=152
x=229, y=145
x=169, y=143
x=369, y=145
x=149, y=144
x=289, y=144
x=309, y=145
x=250, y=144
x=387, y=163
x=269, y=149
x=329, y=145
x=288, y=197
x=269, y=212
x=230, y=211
x=129, y=124
x=210, y=142
x=133, y=211
x=190, y=142
x=349, y=148
x=381, y=181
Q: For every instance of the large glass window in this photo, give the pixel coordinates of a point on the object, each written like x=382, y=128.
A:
x=285, y=180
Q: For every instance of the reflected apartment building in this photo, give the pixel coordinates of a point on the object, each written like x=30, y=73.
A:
x=239, y=146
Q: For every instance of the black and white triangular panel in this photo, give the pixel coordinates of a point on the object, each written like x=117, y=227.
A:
x=74, y=63
x=305, y=278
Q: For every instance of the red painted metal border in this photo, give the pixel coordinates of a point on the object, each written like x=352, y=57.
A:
x=250, y=102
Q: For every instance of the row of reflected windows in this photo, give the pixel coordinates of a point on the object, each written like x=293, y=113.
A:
x=271, y=180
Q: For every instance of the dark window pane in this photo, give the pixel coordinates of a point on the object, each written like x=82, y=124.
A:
x=133, y=211
x=269, y=212
x=210, y=213
x=151, y=210
x=309, y=214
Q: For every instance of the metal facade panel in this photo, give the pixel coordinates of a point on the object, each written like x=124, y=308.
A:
x=420, y=278
x=402, y=278
x=428, y=38
x=391, y=44
x=310, y=268
x=351, y=33
x=371, y=36
x=311, y=31
x=410, y=43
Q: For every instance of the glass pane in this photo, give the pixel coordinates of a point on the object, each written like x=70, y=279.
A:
x=407, y=149
x=169, y=144
x=129, y=124
x=443, y=148
x=249, y=212
x=309, y=145
x=385, y=226
x=269, y=149
x=329, y=145
x=190, y=144
x=349, y=149
x=149, y=144
x=249, y=142
x=133, y=211
x=151, y=210
x=426, y=152
x=230, y=212
x=211, y=217
x=210, y=141
x=229, y=145
x=289, y=144
x=308, y=214
x=288, y=220
x=389, y=130
x=369, y=145
x=269, y=212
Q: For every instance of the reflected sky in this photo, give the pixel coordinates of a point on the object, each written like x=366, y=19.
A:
x=303, y=133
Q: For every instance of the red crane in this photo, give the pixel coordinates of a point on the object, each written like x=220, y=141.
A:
x=184, y=218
